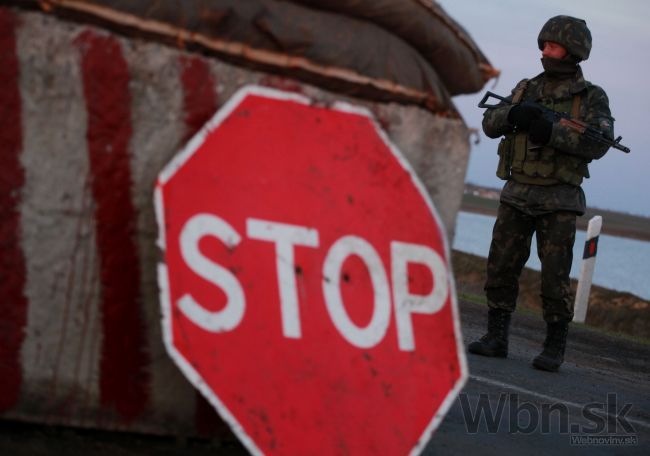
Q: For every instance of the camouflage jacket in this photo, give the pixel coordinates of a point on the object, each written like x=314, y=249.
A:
x=593, y=109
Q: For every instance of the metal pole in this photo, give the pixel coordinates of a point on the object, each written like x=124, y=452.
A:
x=587, y=269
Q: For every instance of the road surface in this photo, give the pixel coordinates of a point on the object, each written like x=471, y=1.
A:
x=610, y=374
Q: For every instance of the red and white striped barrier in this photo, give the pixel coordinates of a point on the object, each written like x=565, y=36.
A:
x=87, y=120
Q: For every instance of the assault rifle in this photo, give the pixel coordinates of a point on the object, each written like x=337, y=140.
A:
x=563, y=119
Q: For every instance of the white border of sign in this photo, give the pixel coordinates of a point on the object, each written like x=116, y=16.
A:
x=163, y=279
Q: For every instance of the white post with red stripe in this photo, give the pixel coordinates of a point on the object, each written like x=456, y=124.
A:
x=587, y=269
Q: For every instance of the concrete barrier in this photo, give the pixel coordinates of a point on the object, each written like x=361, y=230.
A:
x=87, y=121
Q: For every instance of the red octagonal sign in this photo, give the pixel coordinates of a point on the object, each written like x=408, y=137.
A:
x=306, y=288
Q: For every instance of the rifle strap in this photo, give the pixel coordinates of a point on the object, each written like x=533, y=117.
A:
x=519, y=91
x=575, y=107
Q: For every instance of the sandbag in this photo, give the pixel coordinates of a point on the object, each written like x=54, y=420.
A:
x=359, y=48
x=423, y=24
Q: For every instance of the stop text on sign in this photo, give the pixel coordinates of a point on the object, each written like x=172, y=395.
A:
x=286, y=238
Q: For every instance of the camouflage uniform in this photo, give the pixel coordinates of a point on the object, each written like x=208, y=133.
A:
x=542, y=194
x=544, y=162
x=510, y=249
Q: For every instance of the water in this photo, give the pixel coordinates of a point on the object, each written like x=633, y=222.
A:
x=622, y=264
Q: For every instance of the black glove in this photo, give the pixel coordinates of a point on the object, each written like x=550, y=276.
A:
x=540, y=130
x=523, y=114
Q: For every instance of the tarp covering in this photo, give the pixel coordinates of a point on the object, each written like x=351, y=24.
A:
x=401, y=50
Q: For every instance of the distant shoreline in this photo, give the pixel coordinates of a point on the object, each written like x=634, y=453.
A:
x=614, y=223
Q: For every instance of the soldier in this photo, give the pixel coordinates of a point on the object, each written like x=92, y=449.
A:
x=544, y=164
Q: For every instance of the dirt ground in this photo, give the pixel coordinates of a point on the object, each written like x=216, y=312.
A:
x=610, y=310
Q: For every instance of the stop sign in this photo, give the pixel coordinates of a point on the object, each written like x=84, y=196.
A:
x=306, y=289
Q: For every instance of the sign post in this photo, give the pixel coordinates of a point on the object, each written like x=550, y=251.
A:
x=306, y=289
x=587, y=269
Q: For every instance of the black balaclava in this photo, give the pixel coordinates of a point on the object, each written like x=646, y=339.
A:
x=564, y=68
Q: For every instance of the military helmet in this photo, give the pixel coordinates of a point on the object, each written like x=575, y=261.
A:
x=572, y=33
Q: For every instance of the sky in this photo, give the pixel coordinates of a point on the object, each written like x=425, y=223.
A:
x=506, y=31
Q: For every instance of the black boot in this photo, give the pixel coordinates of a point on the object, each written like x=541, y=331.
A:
x=495, y=342
x=553, y=354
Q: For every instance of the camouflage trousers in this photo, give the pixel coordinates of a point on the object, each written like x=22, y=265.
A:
x=510, y=249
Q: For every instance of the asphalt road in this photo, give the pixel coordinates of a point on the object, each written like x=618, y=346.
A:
x=608, y=374
x=544, y=413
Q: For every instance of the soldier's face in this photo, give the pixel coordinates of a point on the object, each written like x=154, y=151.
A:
x=553, y=50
